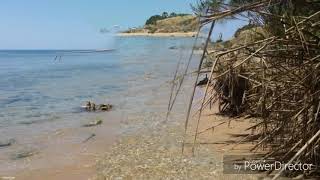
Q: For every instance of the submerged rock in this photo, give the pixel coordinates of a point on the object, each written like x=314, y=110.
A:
x=90, y=106
x=105, y=107
x=94, y=123
x=7, y=143
x=90, y=137
x=23, y=154
x=173, y=47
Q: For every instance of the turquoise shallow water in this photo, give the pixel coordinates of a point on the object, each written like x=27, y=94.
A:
x=41, y=95
x=35, y=88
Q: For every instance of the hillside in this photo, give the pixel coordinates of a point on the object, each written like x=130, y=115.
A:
x=244, y=35
x=178, y=24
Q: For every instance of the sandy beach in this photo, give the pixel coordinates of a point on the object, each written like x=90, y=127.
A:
x=155, y=151
x=176, y=34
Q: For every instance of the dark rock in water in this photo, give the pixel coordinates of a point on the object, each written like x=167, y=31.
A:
x=94, y=123
x=90, y=137
x=93, y=107
x=23, y=154
x=27, y=122
x=173, y=47
x=90, y=106
x=105, y=107
x=203, y=82
x=7, y=143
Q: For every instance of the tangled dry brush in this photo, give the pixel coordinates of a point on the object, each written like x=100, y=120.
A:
x=275, y=78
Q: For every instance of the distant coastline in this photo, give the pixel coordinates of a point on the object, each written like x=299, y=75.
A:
x=146, y=34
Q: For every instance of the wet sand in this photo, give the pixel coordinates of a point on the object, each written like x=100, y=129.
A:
x=67, y=154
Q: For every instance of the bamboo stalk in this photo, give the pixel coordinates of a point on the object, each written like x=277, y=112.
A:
x=196, y=81
x=172, y=88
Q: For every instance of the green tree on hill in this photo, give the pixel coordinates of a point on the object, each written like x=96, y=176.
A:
x=165, y=15
x=173, y=14
x=153, y=19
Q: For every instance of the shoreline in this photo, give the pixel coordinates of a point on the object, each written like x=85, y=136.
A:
x=176, y=34
x=61, y=153
x=138, y=145
x=155, y=152
x=69, y=153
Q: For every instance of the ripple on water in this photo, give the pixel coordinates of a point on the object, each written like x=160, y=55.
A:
x=40, y=120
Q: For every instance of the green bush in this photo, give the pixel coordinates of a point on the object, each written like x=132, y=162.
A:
x=153, y=19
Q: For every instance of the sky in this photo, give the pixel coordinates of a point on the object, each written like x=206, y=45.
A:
x=76, y=24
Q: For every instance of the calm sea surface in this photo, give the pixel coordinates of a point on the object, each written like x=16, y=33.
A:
x=40, y=93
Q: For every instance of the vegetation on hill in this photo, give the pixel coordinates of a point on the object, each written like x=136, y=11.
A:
x=244, y=35
x=153, y=19
x=174, y=24
x=168, y=24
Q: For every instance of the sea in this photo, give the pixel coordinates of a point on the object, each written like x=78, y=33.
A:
x=42, y=91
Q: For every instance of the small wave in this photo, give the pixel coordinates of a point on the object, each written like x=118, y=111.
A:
x=51, y=119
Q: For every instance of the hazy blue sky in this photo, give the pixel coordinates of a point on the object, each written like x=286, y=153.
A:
x=75, y=24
